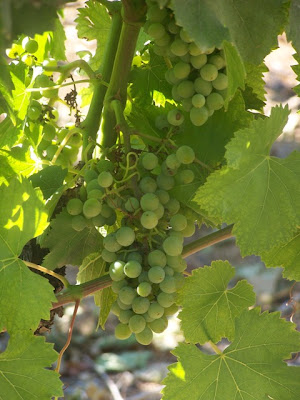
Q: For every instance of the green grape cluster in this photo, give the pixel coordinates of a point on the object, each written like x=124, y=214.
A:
x=198, y=76
x=143, y=249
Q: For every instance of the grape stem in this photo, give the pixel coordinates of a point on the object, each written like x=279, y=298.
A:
x=49, y=272
x=65, y=69
x=74, y=292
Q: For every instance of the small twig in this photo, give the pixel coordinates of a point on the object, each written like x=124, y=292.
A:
x=215, y=347
x=113, y=388
x=49, y=272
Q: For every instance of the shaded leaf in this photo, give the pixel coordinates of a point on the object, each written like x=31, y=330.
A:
x=49, y=179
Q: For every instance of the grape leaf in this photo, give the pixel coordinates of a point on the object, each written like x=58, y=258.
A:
x=9, y=134
x=235, y=71
x=211, y=22
x=68, y=246
x=250, y=368
x=49, y=179
x=286, y=255
x=258, y=193
x=23, y=375
x=94, y=22
x=293, y=30
x=93, y=267
x=26, y=297
x=22, y=216
x=59, y=37
x=20, y=97
x=209, y=309
x=254, y=94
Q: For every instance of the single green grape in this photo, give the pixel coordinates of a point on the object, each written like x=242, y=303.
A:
x=172, y=246
x=125, y=236
x=179, y=279
x=74, y=206
x=173, y=27
x=140, y=305
x=150, y=161
x=203, y=87
x=173, y=206
x=144, y=289
x=95, y=194
x=169, y=271
x=34, y=111
x=145, y=337
x=199, y=61
x=116, y=271
x=122, y=331
x=149, y=220
x=49, y=132
x=199, y=116
x=166, y=299
x=185, y=177
x=185, y=89
x=75, y=140
x=178, y=222
x=31, y=45
x=105, y=179
x=185, y=154
x=181, y=70
x=127, y=294
x=155, y=310
x=107, y=211
x=115, y=309
x=156, y=14
x=93, y=185
x=165, y=182
x=221, y=82
x=171, y=310
x=171, y=78
x=194, y=49
x=91, y=208
x=209, y=72
x=176, y=234
x=117, y=285
x=125, y=316
x=132, y=204
x=187, y=104
x=156, y=274
x=108, y=256
x=168, y=285
x=190, y=229
x=122, y=305
x=175, y=96
x=198, y=100
x=185, y=36
x=149, y=202
x=78, y=223
x=110, y=243
x=217, y=61
x=137, y=323
x=158, y=325
x=163, y=41
x=163, y=196
x=147, y=185
x=156, y=30
x=159, y=211
x=179, y=48
x=132, y=269
x=157, y=258
x=214, y=101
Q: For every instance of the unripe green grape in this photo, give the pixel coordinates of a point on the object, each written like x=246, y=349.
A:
x=214, y=101
x=116, y=271
x=122, y=305
x=117, y=285
x=160, y=211
x=166, y=299
x=91, y=208
x=156, y=274
x=169, y=271
x=163, y=196
x=187, y=104
x=90, y=175
x=185, y=177
x=165, y=170
x=75, y=140
x=106, y=211
x=31, y=46
x=173, y=206
x=181, y=70
x=173, y=309
x=194, y=49
x=175, y=117
x=179, y=48
x=189, y=230
x=108, y=256
x=198, y=100
x=110, y=243
x=132, y=204
x=147, y=185
x=163, y=41
x=221, y=82
x=125, y=236
x=156, y=30
x=145, y=337
x=217, y=61
x=93, y=185
x=160, y=50
x=147, y=317
x=157, y=258
x=175, y=95
x=149, y=220
x=95, y=194
x=156, y=14
x=122, y=331
x=172, y=246
x=125, y=316
x=115, y=309
x=209, y=72
x=185, y=89
x=158, y=325
x=155, y=310
x=149, y=202
x=105, y=179
x=174, y=261
x=171, y=78
x=185, y=154
x=135, y=256
x=150, y=161
x=132, y=269
x=185, y=36
x=173, y=27
x=34, y=111
x=168, y=285
x=144, y=289
x=49, y=132
x=198, y=61
x=165, y=182
x=127, y=295
x=82, y=193
x=179, y=279
x=140, y=305
x=210, y=50
x=74, y=206
x=78, y=223
x=178, y=222
x=203, y=87
x=176, y=234
x=137, y=323
x=199, y=116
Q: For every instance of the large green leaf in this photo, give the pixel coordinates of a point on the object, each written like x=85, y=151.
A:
x=20, y=97
x=49, y=179
x=293, y=29
x=258, y=193
x=23, y=373
x=209, y=308
x=9, y=134
x=251, y=368
x=254, y=94
x=210, y=22
x=68, y=246
x=235, y=70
